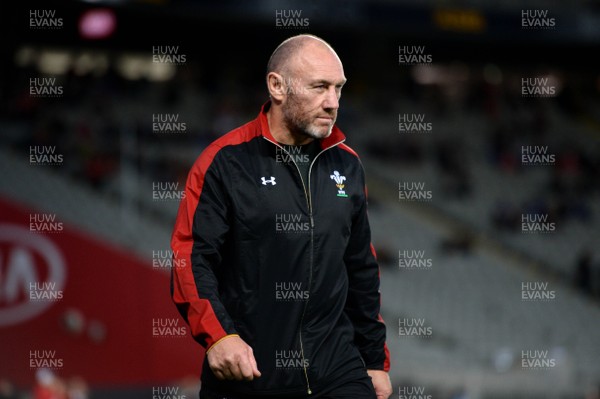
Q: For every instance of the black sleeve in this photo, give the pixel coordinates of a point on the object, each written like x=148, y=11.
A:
x=363, y=302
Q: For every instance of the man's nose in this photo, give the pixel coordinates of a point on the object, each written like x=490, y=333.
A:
x=331, y=100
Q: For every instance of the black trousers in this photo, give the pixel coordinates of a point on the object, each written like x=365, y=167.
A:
x=361, y=388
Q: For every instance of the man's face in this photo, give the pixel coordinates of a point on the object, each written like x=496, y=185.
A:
x=313, y=90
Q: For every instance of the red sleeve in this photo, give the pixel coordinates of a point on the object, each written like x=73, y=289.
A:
x=197, y=239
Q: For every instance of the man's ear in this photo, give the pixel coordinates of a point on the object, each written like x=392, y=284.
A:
x=276, y=86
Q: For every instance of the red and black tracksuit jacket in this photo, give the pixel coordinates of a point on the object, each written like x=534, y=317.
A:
x=286, y=264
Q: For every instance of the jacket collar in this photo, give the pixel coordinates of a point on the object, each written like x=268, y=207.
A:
x=336, y=137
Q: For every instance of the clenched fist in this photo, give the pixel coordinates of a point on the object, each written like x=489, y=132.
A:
x=232, y=359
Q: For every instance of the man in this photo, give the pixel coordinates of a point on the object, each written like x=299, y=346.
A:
x=278, y=278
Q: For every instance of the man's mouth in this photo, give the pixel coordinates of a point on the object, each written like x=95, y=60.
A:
x=326, y=118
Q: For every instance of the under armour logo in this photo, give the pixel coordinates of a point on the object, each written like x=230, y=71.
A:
x=265, y=181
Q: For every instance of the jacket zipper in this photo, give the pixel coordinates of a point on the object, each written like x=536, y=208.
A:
x=312, y=235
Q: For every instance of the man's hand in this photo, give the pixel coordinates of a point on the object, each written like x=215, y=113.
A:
x=381, y=383
x=232, y=359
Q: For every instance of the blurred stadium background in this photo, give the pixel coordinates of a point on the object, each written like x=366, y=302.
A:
x=106, y=104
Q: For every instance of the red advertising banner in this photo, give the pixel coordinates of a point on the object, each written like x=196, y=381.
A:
x=80, y=307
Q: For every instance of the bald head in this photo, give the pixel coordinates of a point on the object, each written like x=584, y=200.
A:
x=286, y=53
x=305, y=79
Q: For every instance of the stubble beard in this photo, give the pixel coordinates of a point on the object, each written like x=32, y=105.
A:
x=301, y=125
